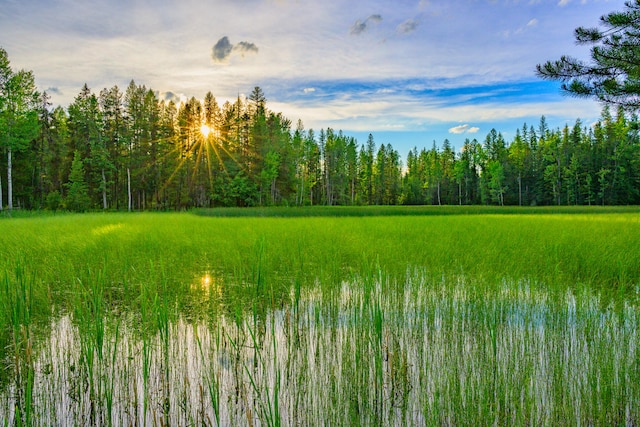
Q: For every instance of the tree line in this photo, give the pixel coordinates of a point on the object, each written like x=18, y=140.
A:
x=578, y=165
x=130, y=150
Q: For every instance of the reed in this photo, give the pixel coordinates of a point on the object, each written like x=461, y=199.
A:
x=473, y=317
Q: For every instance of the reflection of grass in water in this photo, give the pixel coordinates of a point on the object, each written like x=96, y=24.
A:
x=18, y=304
x=434, y=353
x=387, y=351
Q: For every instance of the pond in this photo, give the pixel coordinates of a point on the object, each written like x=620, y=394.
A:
x=422, y=352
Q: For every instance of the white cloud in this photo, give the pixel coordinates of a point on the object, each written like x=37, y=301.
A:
x=459, y=129
x=464, y=129
x=302, y=44
x=376, y=111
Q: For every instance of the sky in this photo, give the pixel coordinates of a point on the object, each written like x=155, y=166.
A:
x=410, y=72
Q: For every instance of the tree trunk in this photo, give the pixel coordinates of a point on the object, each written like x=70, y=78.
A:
x=104, y=191
x=9, y=181
x=519, y=189
x=439, y=201
x=129, y=187
x=115, y=187
x=273, y=192
x=0, y=193
x=328, y=189
x=353, y=191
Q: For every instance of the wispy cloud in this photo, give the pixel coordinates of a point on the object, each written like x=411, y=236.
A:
x=408, y=26
x=531, y=24
x=447, y=66
x=246, y=47
x=361, y=107
x=360, y=27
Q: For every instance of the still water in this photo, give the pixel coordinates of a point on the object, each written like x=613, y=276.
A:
x=422, y=353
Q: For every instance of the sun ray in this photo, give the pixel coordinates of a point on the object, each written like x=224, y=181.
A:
x=207, y=149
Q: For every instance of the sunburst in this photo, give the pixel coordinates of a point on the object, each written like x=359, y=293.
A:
x=207, y=150
x=205, y=130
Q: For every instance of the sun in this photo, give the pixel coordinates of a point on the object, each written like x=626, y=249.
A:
x=205, y=130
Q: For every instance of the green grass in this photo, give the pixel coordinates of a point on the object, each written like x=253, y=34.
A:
x=379, y=316
x=358, y=211
x=557, y=248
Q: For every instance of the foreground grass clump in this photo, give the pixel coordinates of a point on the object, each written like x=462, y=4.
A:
x=483, y=317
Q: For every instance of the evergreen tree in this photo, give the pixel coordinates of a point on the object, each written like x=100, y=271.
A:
x=57, y=159
x=313, y=168
x=496, y=181
x=133, y=150
x=85, y=136
x=412, y=183
x=367, y=168
x=613, y=76
x=519, y=153
x=448, y=159
x=77, y=199
x=41, y=181
x=380, y=177
x=112, y=146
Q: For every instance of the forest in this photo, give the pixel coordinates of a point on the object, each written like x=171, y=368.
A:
x=130, y=150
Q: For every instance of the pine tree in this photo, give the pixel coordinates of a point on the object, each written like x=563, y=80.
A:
x=613, y=76
x=113, y=138
x=77, y=191
x=518, y=154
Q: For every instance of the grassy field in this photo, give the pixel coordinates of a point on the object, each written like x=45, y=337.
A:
x=378, y=316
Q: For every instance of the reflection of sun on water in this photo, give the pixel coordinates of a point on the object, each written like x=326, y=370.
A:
x=206, y=280
x=208, y=285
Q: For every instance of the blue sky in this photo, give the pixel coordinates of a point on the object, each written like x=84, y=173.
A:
x=410, y=72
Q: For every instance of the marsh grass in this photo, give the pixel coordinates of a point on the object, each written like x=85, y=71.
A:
x=481, y=318
x=438, y=353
